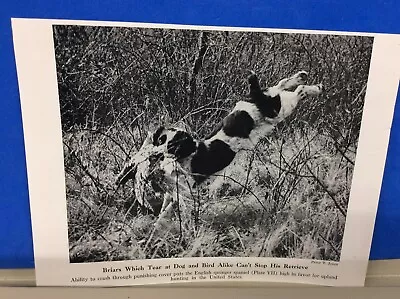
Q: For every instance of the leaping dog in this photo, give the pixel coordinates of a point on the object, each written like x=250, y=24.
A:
x=169, y=154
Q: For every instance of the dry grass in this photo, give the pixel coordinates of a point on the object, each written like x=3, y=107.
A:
x=287, y=198
x=283, y=211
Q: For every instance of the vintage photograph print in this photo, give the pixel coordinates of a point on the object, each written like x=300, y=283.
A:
x=206, y=143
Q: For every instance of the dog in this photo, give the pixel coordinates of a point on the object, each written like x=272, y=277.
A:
x=172, y=153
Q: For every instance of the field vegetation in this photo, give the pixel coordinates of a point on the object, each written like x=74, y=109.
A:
x=290, y=194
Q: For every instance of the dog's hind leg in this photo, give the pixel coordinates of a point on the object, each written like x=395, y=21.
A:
x=289, y=99
x=303, y=91
x=292, y=82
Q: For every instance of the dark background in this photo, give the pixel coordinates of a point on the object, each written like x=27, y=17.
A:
x=16, y=250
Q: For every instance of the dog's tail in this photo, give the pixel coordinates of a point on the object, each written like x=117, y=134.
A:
x=254, y=83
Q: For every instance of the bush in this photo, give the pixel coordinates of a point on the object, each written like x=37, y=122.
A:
x=289, y=197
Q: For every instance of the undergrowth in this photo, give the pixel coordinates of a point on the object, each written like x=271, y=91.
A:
x=286, y=198
x=288, y=205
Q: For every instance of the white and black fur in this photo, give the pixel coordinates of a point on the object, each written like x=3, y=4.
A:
x=251, y=119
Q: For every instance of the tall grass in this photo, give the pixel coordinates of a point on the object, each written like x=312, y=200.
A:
x=286, y=198
x=285, y=202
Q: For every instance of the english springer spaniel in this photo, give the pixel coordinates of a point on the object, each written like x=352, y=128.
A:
x=172, y=153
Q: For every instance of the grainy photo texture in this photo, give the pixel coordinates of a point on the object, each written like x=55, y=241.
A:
x=190, y=143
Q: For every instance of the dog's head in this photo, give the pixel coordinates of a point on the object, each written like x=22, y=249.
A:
x=174, y=141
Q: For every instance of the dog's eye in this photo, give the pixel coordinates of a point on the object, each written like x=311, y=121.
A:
x=162, y=139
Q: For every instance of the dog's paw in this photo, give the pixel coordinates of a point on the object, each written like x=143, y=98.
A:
x=301, y=77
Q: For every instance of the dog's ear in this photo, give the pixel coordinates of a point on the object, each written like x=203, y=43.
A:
x=181, y=145
x=158, y=138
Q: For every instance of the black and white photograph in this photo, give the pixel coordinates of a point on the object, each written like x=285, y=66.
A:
x=208, y=143
x=165, y=153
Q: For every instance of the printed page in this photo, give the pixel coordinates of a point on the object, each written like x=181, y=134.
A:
x=175, y=153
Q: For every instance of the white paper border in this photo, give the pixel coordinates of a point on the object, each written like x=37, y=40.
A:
x=36, y=67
